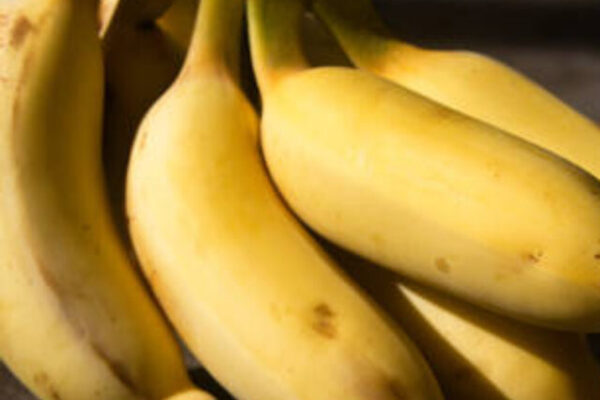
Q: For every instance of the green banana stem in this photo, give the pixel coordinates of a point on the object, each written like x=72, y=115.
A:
x=357, y=26
x=275, y=39
x=215, y=42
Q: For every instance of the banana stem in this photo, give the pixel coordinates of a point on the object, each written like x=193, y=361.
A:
x=357, y=26
x=215, y=42
x=275, y=39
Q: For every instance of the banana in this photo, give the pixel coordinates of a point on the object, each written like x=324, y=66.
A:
x=476, y=354
x=75, y=323
x=252, y=295
x=412, y=185
x=140, y=62
x=465, y=81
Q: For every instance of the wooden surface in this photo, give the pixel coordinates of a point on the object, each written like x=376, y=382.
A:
x=556, y=42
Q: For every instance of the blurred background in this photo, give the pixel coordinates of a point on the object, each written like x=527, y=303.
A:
x=555, y=42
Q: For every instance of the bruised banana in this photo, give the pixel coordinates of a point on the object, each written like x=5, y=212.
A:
x=422, y=189
x=75, y=323
x=476, y=354
x=465, y=81
x=140, y=62
x=253, y=296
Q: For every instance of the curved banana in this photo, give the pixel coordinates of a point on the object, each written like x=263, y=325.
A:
x=427, y=191
x=476, y=354
x=75, y=322
x=256, y=300
x=140, y=62
x=465, y=81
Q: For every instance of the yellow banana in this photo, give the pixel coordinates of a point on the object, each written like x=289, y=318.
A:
x=425, y=190
x=476, y=354
x=256, y=300
x=75, y=323
x=140, y=62
x=465, y=81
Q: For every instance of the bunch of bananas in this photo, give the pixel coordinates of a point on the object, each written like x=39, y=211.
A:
x=448, y=169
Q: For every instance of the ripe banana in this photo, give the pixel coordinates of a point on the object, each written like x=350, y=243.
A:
x=140, y=62
x=422, y=189
x=75, y=323
x=476, y=354
x=256, y=300
x=465, y=81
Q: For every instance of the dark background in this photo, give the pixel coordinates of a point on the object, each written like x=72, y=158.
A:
x=556, y=42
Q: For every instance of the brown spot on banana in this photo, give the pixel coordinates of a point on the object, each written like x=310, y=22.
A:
x=47, y=277
x=42, y=380
x=383, y=388
x=62, y=296
x=20, y=31
x=117, y=368
x=533, y=257
x=323, y=310
x=367, y=381
x=143, y=138
x=323, y=322
x=442, y=265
